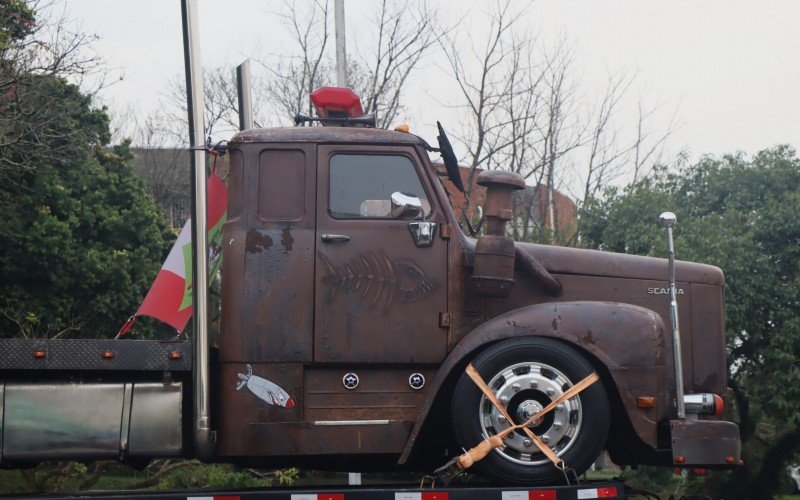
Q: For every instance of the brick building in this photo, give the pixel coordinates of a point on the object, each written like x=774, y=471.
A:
x=530, y=208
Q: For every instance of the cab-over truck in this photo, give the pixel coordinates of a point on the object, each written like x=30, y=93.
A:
x=353, y=301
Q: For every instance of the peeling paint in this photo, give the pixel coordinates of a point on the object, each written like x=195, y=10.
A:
x=286, y=238
x=257, y=242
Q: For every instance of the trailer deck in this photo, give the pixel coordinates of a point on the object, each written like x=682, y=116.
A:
x=589, y=490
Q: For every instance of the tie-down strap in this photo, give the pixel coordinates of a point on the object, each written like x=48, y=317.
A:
x=465, y=461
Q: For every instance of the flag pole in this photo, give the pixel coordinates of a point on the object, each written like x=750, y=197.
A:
x=203, y=435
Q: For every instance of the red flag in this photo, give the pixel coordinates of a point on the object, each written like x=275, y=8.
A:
x=170, y=296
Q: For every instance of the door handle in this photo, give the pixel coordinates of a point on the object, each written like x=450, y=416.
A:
x=335, y=237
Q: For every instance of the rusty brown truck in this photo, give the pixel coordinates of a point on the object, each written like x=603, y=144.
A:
x=353, y=302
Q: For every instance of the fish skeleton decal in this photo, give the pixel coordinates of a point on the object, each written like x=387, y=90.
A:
x=267, y=391
x=374, y=276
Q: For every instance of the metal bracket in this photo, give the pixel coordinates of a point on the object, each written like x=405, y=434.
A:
x=423, y=233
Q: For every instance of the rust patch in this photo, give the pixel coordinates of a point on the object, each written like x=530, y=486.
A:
x=374, y=276
x=286, y=238
x=588, y=338
x=257, y=241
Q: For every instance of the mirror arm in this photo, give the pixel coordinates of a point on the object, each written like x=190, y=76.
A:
x=472, y=231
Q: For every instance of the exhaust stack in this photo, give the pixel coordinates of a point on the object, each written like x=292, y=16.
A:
x=203, y=435
x=493, y=274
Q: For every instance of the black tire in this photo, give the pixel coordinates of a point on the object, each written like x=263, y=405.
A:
x=579, y=434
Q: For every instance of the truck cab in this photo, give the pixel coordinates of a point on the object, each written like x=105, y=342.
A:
x=349, y=284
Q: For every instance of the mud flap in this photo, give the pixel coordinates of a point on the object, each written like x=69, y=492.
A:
x=709, y=443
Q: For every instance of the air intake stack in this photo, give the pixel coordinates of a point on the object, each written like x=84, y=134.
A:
x=493, y=274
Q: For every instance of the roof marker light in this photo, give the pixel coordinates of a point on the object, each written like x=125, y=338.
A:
x=336, y=102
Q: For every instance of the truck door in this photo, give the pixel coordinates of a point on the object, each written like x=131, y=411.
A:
x=378, y=289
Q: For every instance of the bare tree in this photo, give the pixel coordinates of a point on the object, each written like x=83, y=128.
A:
x=607, y=158
x=32, y=52
x=560, y=132
x=523, y=110
x=163, y=167
x=293, y=78
x=518, y=106
x=485, y=93
x=648, y=145
x=220, y=99
x=404, y=32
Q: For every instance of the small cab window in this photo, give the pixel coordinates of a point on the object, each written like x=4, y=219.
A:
x=361, y=185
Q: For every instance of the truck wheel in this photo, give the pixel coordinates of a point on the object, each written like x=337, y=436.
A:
x=527, y=374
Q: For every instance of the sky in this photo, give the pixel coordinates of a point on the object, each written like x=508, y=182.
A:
x=727, y=69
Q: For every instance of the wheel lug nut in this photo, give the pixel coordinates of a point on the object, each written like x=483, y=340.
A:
x=504, y=400
x=550, y=391
x=516, y=387
x=502, y=419
x=560, y=408
x=557, y=425
x=527, y=443
x=545, y=438
x=534, y=384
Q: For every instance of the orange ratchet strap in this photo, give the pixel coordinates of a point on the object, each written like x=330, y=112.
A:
x=456, y=466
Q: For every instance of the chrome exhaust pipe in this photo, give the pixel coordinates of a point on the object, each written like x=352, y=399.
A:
x=204, y=436
x=668, y=220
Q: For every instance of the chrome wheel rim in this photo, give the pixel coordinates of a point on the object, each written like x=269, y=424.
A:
x=525, y=389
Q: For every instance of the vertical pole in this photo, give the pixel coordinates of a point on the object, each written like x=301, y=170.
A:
x=203, y=438
x=341, y=52
x=668, y=220
x=243, y=89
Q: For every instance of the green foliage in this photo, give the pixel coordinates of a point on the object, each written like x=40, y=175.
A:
x=16, y=22
x=80, y=240
x=742, y=215
x=212, y=476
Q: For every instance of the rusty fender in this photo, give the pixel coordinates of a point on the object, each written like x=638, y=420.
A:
x=627, y=339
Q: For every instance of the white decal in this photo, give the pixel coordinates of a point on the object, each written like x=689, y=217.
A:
x=265, y=390
x=514, y=495
x=408, y=495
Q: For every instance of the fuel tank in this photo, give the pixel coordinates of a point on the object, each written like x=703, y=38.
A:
x=89, y=421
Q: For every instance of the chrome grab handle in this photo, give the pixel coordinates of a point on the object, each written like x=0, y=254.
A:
x=335, y=237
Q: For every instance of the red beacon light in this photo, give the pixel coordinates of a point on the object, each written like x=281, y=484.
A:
x=337, y=106
x=336, y=102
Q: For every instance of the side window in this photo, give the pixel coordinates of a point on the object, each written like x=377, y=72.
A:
x=361, y=185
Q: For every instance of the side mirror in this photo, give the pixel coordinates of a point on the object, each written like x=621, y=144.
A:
x=405, y=206
x=667, y=219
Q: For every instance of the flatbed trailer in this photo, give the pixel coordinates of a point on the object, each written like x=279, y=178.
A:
x=589, y=490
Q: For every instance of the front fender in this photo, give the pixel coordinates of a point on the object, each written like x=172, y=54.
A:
x=627, y=339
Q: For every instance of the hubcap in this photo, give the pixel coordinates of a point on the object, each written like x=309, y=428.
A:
x=525, y=389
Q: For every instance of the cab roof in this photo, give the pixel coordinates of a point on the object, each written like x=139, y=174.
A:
x=324, y=134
